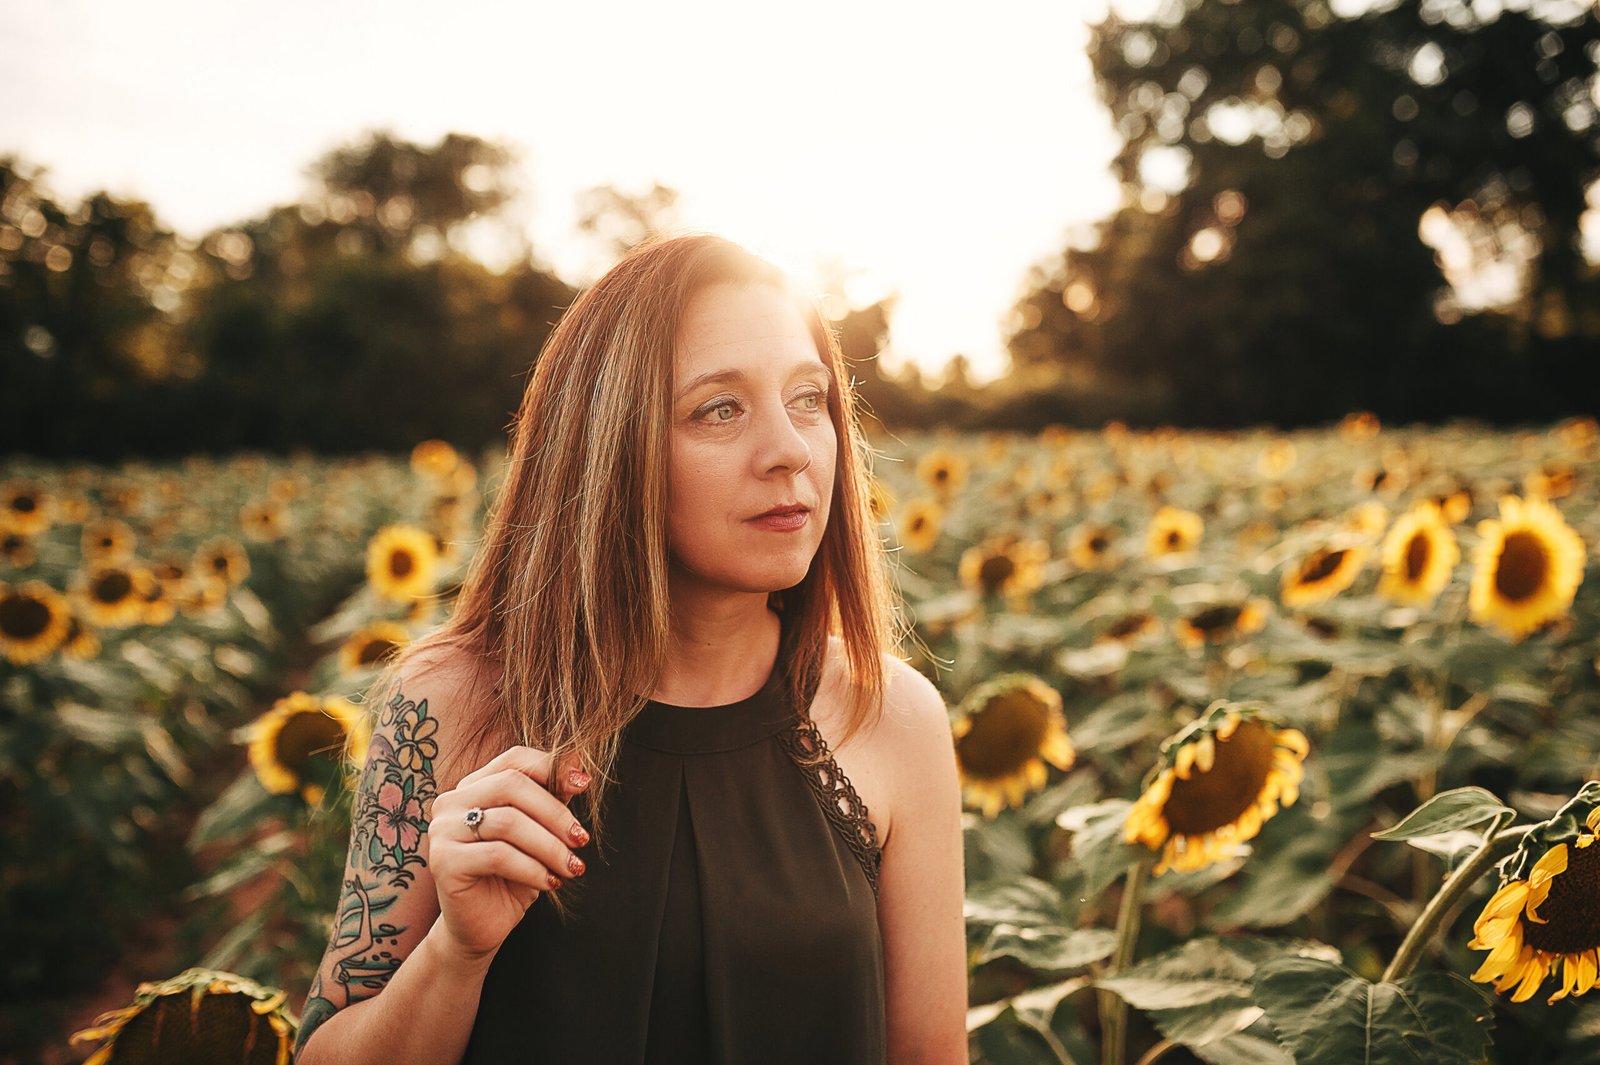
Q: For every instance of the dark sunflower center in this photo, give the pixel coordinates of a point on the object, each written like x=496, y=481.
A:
x=941, y=475
x=1216, y=618
x=1572, y=911
x=1522, y=566
x=24, y=504
x=107, y=542
x=219, y=564
x=994, y=572
x=1173, y=538
x=217, y=1028
x=1098, y=543
x=307, y=735
x=111, y=587
x=1323, y=627
x=917, y=524
x=1127, y=626
x=22, y=617
x=1005, y=734
x=401, y=563
x=1207, y=801
x=1418, y=550
x=1320, y=566
x=376, y=651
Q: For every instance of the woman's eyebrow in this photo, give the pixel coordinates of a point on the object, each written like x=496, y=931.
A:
x=720, y=376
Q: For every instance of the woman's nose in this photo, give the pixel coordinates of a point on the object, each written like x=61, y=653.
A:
x=784, y=445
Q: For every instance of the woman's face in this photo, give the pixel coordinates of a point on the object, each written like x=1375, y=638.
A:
x=750, y=432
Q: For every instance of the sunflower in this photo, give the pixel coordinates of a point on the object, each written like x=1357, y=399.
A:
x=81, y=642
x=1007, y=728
x=1090, y=546
x=942, y=470
x=198, y=1015
x=1130, y=628
x=1215, y=624
x=108, y=541
x=1526, y=568
x=1456, y=506
x=1052, y=504
x=1368, y=520
x=294, y=744
x=372, y=645
x=262, y=521
x=159, y=604
x=1550, y=482
x=222, y=559
x=1579, y=434
x=1004, y=566
x=114, y=596
x=881, y=501
x=1174, y=531
x=202, y=596
x=17, y=550
x=1276, y=459
x=1358, y=426
x=25, y=508
x=1217, y=781
x=1323, y=574
x=434, y=460
x=74, y=510
x=34, y=621
x=401, y=560
x=285, y=489
x=919, y=525
x=1419, y=554
x=1543, y=917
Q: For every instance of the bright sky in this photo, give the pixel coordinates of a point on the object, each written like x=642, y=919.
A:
x=934, y=153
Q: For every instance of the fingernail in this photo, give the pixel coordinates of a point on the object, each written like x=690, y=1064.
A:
x=555, y=882
x=575, y=863
x=579, y=834
x=577, y=778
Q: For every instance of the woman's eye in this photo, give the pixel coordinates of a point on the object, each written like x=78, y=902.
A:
x=722, y=406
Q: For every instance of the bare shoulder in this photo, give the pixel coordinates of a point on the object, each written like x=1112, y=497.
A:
x=454, y=689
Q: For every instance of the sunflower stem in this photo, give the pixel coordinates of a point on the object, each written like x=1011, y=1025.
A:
x=1496, y=844
x=1113, y=1010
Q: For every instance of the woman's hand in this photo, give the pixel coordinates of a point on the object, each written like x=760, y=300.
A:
x=487, y=878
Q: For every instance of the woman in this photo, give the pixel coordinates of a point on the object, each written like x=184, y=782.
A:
x=769, y=825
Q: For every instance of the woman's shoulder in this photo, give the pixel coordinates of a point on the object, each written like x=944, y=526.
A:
x=454, y=688
x=908, y=694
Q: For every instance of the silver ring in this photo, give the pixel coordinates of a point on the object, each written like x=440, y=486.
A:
x=473, y=819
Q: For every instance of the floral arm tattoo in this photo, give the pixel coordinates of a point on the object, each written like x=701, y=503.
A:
x=390, y=816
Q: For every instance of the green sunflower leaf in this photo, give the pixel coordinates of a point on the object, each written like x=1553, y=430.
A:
x=1446, y=812
x=1326, y=1015
x=1199, y=993
x=1046, y=949
x=1098, y=852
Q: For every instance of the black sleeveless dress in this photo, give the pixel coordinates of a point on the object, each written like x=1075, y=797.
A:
x=731, y=919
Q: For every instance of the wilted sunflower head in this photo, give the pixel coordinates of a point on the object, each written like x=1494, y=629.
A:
x=1419, y=555
x=304, y=741
x=25, y=508
x=943, y=470
x=919, y=525
x=198, y=1015
x=434, y=459
x=1546, y=914
x=113, y=596
x=1526, y=567
x=372, y=645
x=1174, y=531
x=107, y=541
x=1216, y=782
x=1006, y=729
x=222, y=559
x=1323, y=574
x=34, y=620
x=401, y=562
x=1221, y=622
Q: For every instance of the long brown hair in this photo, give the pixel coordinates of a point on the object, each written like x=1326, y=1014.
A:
x=566, y=599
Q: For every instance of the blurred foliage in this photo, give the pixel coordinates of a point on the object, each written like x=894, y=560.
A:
x=1267, y=265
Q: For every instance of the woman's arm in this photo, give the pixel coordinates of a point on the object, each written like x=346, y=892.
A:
x=922, y=882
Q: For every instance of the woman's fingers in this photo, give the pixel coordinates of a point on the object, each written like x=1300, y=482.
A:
x=536, y=765
x=501, y=859
x=511, y=825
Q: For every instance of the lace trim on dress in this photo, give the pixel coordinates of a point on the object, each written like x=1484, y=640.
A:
x=836, y=794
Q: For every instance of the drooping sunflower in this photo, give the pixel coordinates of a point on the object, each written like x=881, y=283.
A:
x=1217, y=781
x=108, y=542
x=34, y=620
x=1526, y=568
x=372, y=645
x=1007, y=728
x=296, y=745
x=222, y=559
x=25, y=508
x=1543, y=919
x=1004, y=566
x=919, y=525
x=1322, y=574
x=113, y=596
x=943, y=470
x=434, y=459
x=401, y=560
x=198, y=1015
x=1091, y=546
x=263, y=522
x=1219, y=623
x=1174, y=531
x=1419, y=555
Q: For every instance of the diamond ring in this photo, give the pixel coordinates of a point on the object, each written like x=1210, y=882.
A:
x=473, y=819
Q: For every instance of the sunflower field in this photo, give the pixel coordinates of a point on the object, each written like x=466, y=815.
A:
x=1275, y=747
